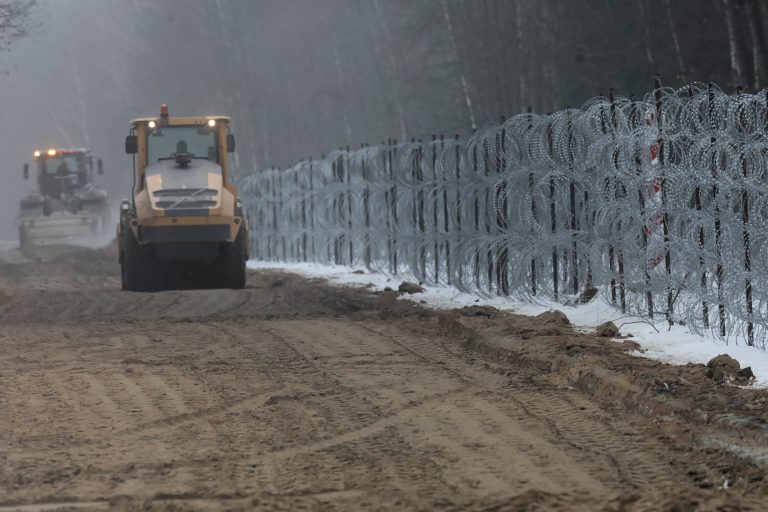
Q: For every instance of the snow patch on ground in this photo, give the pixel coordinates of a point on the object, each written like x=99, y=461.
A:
x=673, y=345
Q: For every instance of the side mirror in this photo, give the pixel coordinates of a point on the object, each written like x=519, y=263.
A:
x=131, y=144
x=100, y=166
x=26, y=171
x=230, y=143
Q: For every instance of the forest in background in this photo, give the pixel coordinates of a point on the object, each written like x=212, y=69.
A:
x=302, y=77
x=305, y=77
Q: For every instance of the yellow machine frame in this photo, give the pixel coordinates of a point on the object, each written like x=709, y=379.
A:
x=217, y=216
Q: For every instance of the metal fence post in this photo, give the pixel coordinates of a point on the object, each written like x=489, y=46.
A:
x=489, y=254
x=715, y=194
x=663, y=191
x=572, y=198
x=366, y=207
x=702, y=266
x=420, y=204
x=446, y=219
x=457, y=158
x=312, y=207
x=531, y=183
x=281, y=206
x=619, y=231
x=395, y=220
x=635, y=121
x=501, y=219
x=350, y=225
x=553, y=219
x=435, y=225
x=476, y=210
x=745, y=236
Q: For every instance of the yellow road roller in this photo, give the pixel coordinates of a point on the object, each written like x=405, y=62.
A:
x=184, y=225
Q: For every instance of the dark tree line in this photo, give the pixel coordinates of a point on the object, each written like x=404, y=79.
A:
x=16, y=19
x=303, y=77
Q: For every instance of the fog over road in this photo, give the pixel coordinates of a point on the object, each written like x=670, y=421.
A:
x=295, y=394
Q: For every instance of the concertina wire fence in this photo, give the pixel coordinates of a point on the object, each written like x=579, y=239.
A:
x=660, y=204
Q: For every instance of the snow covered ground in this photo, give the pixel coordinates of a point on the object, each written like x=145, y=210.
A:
x=675, y=345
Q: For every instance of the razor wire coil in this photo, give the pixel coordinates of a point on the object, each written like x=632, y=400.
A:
x=667, y=219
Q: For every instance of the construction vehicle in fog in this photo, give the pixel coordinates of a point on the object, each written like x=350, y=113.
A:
x=66, y=211
x=184, y=226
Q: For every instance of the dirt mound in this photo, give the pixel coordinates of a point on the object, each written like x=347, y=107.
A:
x=550, y=323
x=409, y=288
x=726, y=369
x=607, y=330
x=486, y=311
x=556, y=317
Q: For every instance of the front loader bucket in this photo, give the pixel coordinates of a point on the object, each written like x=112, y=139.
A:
x=48, y=237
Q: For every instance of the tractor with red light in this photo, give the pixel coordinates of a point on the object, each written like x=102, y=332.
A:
x=184, y=225
x=66, y=211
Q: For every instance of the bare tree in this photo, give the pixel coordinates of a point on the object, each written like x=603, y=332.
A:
x=462, y=76
x=675, y=39
x=755, y=45
x=16, y=20
x=733, y=43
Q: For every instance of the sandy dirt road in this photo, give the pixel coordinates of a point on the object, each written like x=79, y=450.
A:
x=295, y=395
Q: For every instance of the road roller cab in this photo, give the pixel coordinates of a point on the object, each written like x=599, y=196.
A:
x=184, y=226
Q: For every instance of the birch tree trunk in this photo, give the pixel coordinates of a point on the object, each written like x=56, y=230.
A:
x=523, y=99
x=645, y=20
x=392, y=67
x=343, y=90
x=757, y=56
x=551, y=72
x=675, y=40
x=457, y=55
x=501, y=64
x=733, y=45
